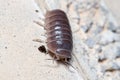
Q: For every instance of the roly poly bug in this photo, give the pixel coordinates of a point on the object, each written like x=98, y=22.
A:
x=59, y=35
x=59, y=39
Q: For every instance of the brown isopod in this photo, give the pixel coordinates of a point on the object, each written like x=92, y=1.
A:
x=59, y=35
x=59, y=39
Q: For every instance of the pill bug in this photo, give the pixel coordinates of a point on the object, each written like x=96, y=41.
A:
x=59, y=36
x=58, y=31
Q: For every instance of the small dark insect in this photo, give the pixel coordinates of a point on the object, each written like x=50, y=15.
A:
x=59, y=35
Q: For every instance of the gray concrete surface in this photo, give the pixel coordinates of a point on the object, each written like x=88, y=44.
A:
x=96, y=40
x=114, y=7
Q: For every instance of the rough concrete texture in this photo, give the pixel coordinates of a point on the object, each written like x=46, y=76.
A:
x=113, y=6
x=96, y=36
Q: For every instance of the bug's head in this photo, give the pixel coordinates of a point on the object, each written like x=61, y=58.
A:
x=62, y=53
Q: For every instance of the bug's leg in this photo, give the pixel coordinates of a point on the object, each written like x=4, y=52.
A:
x=57, y=58
x=42, y=19
x=41, y=40
x=39, y=23
x=38, y=40
x=66, y=60
x=42, y=25
x=52, y=59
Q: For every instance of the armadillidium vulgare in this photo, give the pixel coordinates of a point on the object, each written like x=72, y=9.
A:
x=59, y=35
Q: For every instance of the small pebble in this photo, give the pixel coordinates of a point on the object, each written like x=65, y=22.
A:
x=37, y=11
x=5, y=47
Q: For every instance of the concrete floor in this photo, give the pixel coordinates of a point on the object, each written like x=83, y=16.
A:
x=19, y=56
x=114, y=7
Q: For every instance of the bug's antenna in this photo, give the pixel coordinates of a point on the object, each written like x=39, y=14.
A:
x=69, y=64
